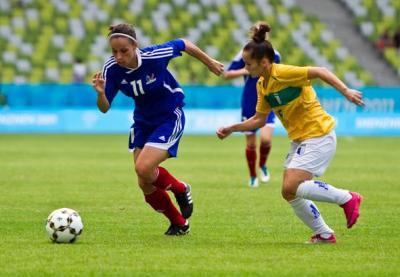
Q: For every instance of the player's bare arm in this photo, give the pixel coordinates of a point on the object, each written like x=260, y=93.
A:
x=328, y=77
x=98, y=84
x=213, y=65
x=232, y=74
x=255, y=122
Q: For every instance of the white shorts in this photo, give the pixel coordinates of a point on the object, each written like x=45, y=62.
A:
x=312, y=155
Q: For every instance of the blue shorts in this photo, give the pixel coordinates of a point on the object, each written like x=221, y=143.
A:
x=270, y=121
x=164, y=136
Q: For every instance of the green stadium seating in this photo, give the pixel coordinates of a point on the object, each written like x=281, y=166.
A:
x=58, y=31
x=373, y=18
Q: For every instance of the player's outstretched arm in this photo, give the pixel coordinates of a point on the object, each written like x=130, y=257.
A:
x=328, y=77
x=213, y=65
x=255, y=122
x=232, y=74
x=98, y=84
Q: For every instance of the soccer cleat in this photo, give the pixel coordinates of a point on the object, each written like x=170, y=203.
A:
x=351, y=209
x=320, y=239
x=185, y=201
x=178, y=230
x=264, y=174
x=253, y=182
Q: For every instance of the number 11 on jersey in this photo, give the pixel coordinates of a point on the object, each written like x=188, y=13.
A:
x=135, y=84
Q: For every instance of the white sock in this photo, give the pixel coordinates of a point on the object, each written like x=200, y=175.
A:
x=309, y=214
x=320, y=191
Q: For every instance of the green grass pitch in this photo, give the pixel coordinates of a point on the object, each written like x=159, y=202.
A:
x=235, y=230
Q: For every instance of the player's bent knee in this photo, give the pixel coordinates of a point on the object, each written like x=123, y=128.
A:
x=288, y=193
x=143, y=171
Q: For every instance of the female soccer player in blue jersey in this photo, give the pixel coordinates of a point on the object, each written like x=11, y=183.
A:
x=287, y=90
x=249, y=101
x=142, y=74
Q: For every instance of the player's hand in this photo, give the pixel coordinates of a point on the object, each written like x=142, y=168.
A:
x=223, y=132
x=354, y=96
x=98, y=83
x=216, y=67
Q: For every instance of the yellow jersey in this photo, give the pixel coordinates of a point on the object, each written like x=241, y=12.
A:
x=289, y=93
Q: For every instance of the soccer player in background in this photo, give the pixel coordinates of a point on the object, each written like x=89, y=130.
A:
x=142, y=74
x=249, y=100
x=287, y=90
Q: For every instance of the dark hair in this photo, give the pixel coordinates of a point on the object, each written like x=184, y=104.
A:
x=123, y=28
x=259, y=47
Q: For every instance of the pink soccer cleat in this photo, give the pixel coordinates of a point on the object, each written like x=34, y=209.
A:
x=351, y=209
x=319, y=239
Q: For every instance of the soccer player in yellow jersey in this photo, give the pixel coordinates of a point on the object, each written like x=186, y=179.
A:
x=287, y=90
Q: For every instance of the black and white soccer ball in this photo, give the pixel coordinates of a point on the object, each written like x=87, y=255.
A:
x=64, y=225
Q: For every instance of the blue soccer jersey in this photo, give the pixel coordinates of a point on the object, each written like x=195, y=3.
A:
x=249, y=96
x=155, y=91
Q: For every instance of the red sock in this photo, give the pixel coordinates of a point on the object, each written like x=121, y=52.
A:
x=265, y=148
x=161, y=202
x=251, y=157
x=168, y=182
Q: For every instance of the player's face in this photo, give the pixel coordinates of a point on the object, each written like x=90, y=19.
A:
x=123, y=51
x=254, y=67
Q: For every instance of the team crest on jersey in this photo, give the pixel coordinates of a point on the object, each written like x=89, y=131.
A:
x=150, y=79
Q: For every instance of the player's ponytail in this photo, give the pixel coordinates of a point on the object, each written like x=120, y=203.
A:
x=259, y=31
x=259, y=46
x=122, y=30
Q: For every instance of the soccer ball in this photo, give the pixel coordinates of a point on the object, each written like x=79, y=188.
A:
x=64, y=225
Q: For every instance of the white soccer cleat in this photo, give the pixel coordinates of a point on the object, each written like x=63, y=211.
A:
x=253, y=182
x=265, y=176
